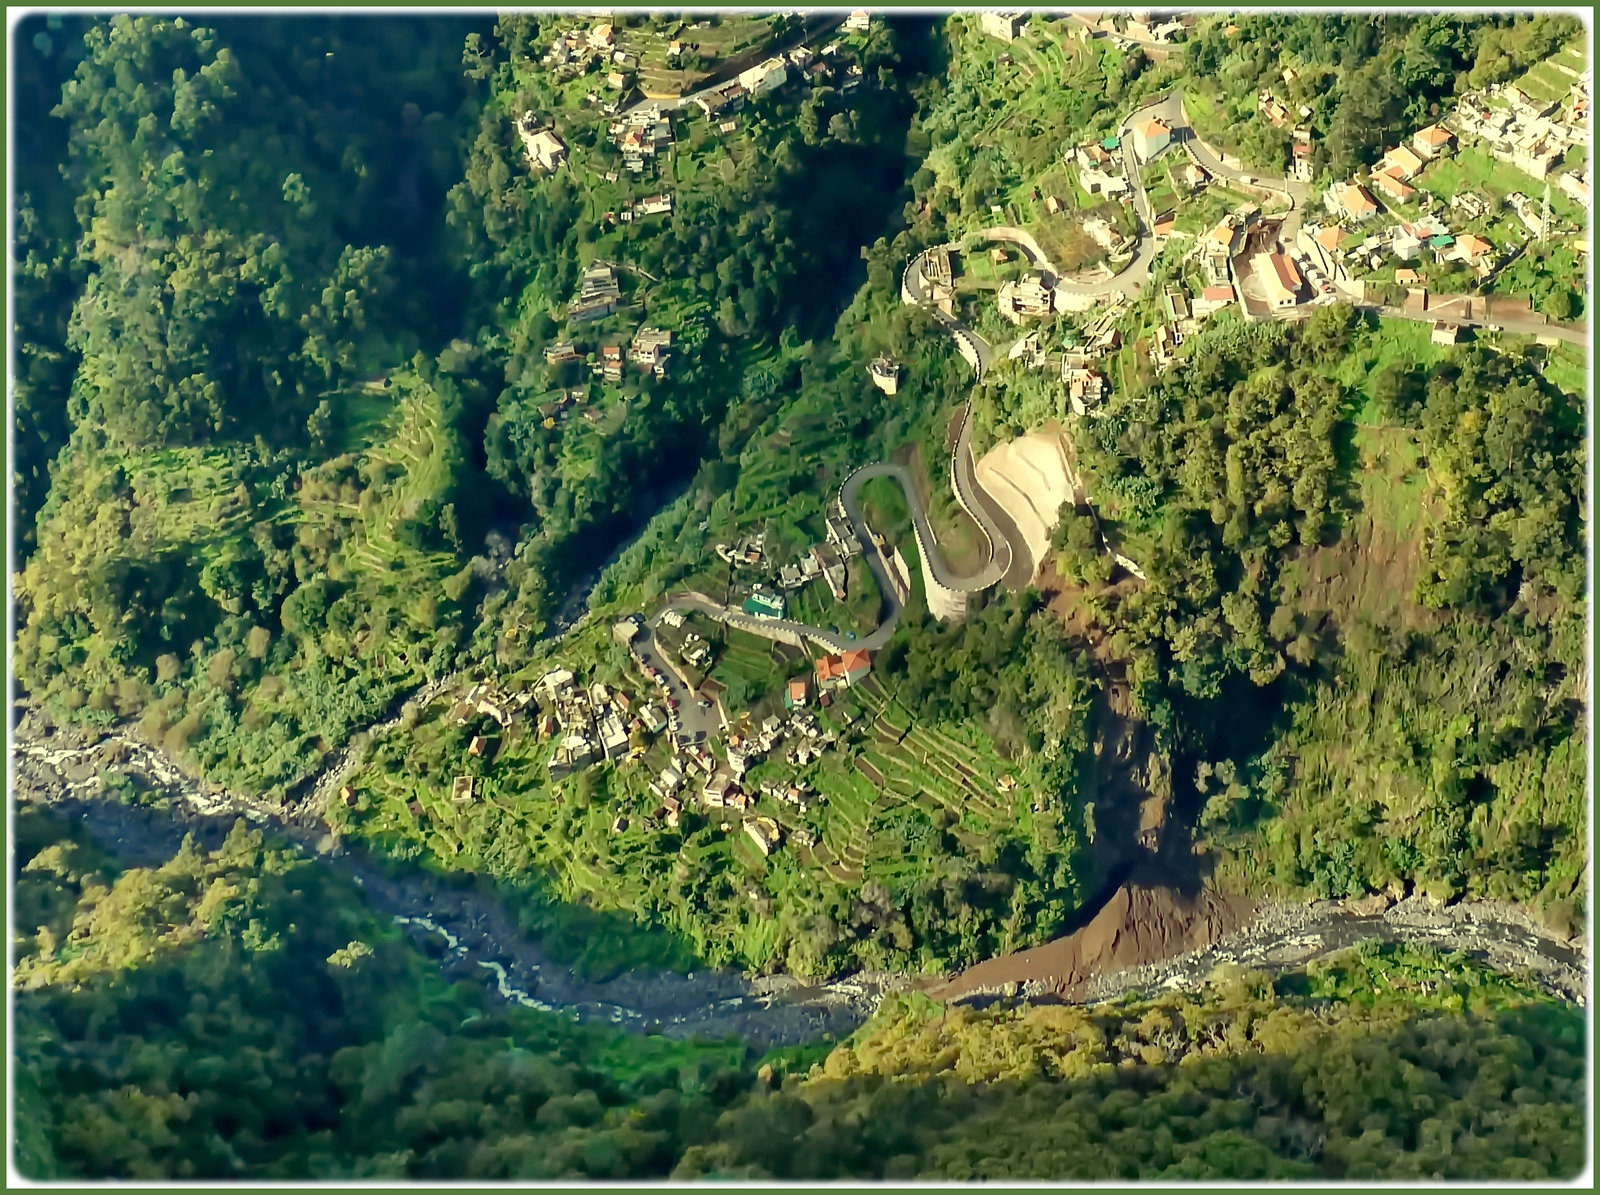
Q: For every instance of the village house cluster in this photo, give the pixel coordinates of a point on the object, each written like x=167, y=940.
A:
x=1100, y=169
x=814, y=67
x=576, y=52
x=826, y=560
x=640, y=135
x=1087, y=388
x=796, y=734
x=1532, y=135
x=594, y=724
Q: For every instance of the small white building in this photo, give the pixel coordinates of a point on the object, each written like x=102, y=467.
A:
x=1150, y=137
x=545, y=150
x=1007, y=26
x=767, y=76
x=885, y=374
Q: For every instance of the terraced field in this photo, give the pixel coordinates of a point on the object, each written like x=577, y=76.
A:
x=749, y=663
x=1553, y=78
x=409, y=468
x=899, y=763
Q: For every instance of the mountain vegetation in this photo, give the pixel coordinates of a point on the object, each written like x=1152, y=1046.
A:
x=237, y=1014
x=308, y=436
x=1454, y=709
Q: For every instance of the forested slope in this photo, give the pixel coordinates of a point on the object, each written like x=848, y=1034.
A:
x=285, y=367
x=1362, y=638
x=238, y=1014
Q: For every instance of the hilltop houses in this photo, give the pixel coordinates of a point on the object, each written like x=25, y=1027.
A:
x=764, y=77
x=1007, y=26
x=723, y=100
x=1211, y=300
x=1025, y=298
x=545, y=150
x=1391, y=185
x=763, y=603
x=649, y=349
x=1433, y=141
x=1575, y=185
x=598, y=294
x=841, y=536
x=764, y=832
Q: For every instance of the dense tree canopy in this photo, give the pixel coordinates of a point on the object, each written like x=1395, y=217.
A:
x=235, y=1014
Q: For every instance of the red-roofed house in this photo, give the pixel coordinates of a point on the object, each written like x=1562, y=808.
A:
x=1433, y=141
x=1211, y=300
x=834, y=672
x=1391, y=186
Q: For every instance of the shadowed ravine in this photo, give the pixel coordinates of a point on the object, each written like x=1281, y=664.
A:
x=471, y=935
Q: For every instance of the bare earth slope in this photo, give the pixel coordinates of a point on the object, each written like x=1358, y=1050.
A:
x=1138, y=925
x=1027, y=477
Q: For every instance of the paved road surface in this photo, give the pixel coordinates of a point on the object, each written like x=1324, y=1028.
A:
x=692, y=717
x=1002, y=563
x=1522, y=325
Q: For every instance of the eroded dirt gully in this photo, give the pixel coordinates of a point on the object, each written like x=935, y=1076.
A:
x=1157, y=923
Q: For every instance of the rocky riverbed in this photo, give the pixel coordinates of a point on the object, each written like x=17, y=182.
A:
x=469, y=933
x=472, y=936
x=1281, y=937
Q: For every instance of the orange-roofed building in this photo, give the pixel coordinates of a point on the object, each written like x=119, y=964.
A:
x=1401, y=163
x=834, y=672
x=1279, y=279
x=1391, y=185
x=1356, y=202
x=1150, y=137
x=1223, y=238
x=1433, y=141
x=1472, y=247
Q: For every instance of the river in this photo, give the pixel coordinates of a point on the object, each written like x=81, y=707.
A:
x=472, y=936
